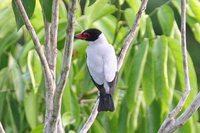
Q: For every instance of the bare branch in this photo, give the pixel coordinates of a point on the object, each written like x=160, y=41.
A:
x=91, y=118
x=1, y=128
x=36, y=41
x=130, y=36
x=66, y=62
x=122, y=55
x=47, y=26
x=172, y=115
x=47, y=73
x=53, y=36
x=181, y=120
x=51, y=30
x=68, y=47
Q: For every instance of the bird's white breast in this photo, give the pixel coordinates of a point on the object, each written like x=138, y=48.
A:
x=101, y=61
x=95, y=63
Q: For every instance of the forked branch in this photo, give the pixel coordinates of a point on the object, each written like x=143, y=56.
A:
x=168, y=124
x=36, y=42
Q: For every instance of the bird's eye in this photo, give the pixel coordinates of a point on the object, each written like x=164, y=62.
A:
x=86, y=35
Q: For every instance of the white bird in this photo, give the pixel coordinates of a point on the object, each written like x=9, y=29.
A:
x=102, y=66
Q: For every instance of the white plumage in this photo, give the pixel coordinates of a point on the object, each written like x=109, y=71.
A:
x=101, y=61
x=102, y=66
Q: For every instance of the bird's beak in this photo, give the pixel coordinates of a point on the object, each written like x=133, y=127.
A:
x=79, y=36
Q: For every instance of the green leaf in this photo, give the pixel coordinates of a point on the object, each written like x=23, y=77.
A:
x=13, y=114
x=196, y=31
x=47, y=8
x=153, y=117
x=9, y=40
x=97, y=128
x=149, y=28
x=106, y=23
x=148, y=83
x=171, y=70
x=195, y=6
x=123, y=115
x=134, y=6
x=16, y=78
x=130, y=16
x=70, y=103
x=98, y=10
x=163, y=92
x=2, y=103
x=35, y=69
x=91, y=2
x=67, y=119
x=38, y=129
x=136, y=73
x=29, y=6
x=30, y=106
x=175, y=47
x=166, y=19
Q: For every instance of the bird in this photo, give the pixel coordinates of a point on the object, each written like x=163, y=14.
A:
x=101, y=62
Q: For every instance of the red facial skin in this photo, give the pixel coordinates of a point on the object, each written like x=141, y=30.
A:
x=82, y=36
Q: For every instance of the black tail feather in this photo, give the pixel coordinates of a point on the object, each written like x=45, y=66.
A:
x=106, y=102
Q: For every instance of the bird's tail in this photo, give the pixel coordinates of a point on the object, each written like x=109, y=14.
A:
x=106, y=102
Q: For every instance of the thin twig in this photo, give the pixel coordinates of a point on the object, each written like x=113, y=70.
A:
x=47, y=73
x=130, y=36
x=51, y=30
x=181, y=120
x=122, y=55
x=68, y=46
x=47, y=26
x=172, y=115
x=91, y=118
x=49, y=91
x=66, y=59
x=1, y=128
x=54, y=34
x=36, y=41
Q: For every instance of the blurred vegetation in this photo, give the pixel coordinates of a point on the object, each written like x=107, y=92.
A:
x=150, y=83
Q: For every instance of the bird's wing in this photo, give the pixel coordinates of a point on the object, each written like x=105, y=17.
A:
x=98, y=82
x=110, y=64
x=110, y=68
x=100, y=87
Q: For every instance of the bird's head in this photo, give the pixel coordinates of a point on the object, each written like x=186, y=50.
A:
x=89, y=35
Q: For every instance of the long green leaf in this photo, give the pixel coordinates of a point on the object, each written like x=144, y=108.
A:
x=163, y=92
x=136, y=73
x=35, y=69
x=99, y=9
x=30, y=106
x=153, y=117
x=29, y=6
x=166, y=19
x=149, y=28
x=47, y=8
x=148, y=83
x=38, y=129
x=195, y=6
x=16, y=78
x=177, y=53
x=123, y=116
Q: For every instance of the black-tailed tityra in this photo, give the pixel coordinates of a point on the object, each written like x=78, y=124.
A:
x=102, y=66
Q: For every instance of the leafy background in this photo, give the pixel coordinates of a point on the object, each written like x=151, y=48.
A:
x=150, y=83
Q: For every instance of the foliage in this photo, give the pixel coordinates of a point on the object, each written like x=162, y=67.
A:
x=150, y=82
